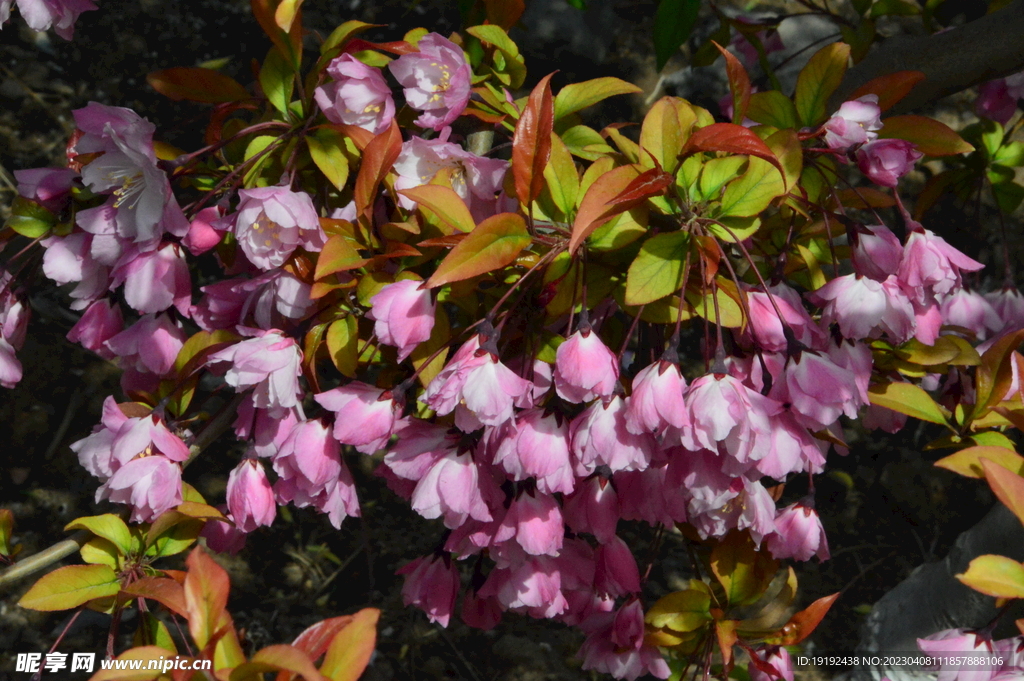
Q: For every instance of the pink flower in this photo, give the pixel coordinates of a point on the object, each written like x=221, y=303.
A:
x=601, y=654
x=538, y=447
x=628, y=625
x=250, y=498
x=272, y=222
x=480, y=613
x=365, y=416
x=144, y=207
x=223, y=537
x=100, y=323
x=600, y=438
x=49, y=187
x=1009, y=306
x=751, y=509
x=875, y=251
x=616, y=573
x=856, y=122
x=95, y=451
x=41, y=15
x=995, y=101
x=818, y=389
x=73, y=258
x=202, y=232
x=536, y=523
x=436, y=80
x=403, y=314
x=476, y=380
x=885, y=161
x=150, y=484
x=773, y=663
x=931, y=267
x=767, y=330
x=798, y=534
x=593, y=508
x=653, y=496
x=265, y=429
x=452, y=488
x=793, y=448
x=969, y=310
x=155, y=280
x=657, y=399
x=959, y=642
x=312, y=473
x=14, y=313
x=431, y=584
x=149, y=345
x=10, y=366
x=270, y=363
x=863, y=307
x=879, y=417
x=723, y=410
x=358, y=95
x=769, y=38
x=530, y=583
x=476, y=179
x=585, y=368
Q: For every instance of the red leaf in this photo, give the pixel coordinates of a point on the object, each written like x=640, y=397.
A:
x=739, y=84
x=595, y=209
x=352, y=647
x=197, y=85
x=1007, y=486
x=646, y=184
x=289, y=42
x=359, y=136
x=890, y=88
x=449, y=241
x=206, y=596
x=315, y=640
x=531, y=144
x=395, y=47
x=163, y=590
x=732, y=139
x=504, y=13
x=931, y=137
x=802, y=624
x=378, y=157
x=338, y=255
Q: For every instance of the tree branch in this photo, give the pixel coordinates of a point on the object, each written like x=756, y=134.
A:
x=954, y=60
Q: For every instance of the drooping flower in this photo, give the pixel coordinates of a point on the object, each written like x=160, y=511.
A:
x=100, y=323
x=312, y=473
x=593, y=508
x=150, y=484
x=270, y=362
x=155, y=280
x=585, y=368
x=885, y=161
x=1009, y=306
x=272, y=222
x=41, y=15
x=538, y=447
x=600, y=438
x=866, y=308
x=969, y=310
x=403, y=315
x=358, y=95
x=431, y=584
x=365, y=417
x=535, y=520
x=150, y=345
x=958, y=645
x=724, y=410
x=265, y=429
x=453, y=488
x=126, y=168
x=476, y=179
x=817, y=389
x=875, y=251
x=798, y=534
x=49, y=187
x=657, y=399
x=773, y=664
x=931, y=267
x=250, y=497
x=616, y=573
x=767, y=330
x=856, y=122
x=436, y=80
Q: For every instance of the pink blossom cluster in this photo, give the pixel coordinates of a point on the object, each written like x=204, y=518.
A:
x=997, y=99
x=960, y=650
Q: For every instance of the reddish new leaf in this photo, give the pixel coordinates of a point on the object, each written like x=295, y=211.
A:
x=378, y=157
x=338, y=255
x=931, y=137
x=596, y=208
x=504, y=13
x=1007, y=486
x=531, y=144
x=277, y=658
x=645, y=185
x=493, y=244
x=890, y=88
x=163, y=590
x=290, y=41
x=352, y=647
x=315, y=639
x=359, y=136
x=206, y=596
x=197, y=85
x=802, y=624
x=398, y=47
x=739, y=84
x=732, y=139
x=995, y=374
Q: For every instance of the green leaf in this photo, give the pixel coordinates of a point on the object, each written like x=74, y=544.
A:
x=257, y=146
x=30, y=219
x=108, y=526
x=1008, y=196
x=899, y=8
x=585, y=142
x=275, y=658
x=174, y=535
x=338, y=255
x=495, y=243
x=657, y=269
x=931, y=137
x=995, y=373
x=717, y=172
x=739, y=229
x=967, y=462
x=673, y=22
x=6, y=531
x=577, y=96
x=742, y=570
x=753, y=191
x=71, y=586
x=325, y=147
x=665, y=130
x=99, y=551
x=350, y=651
x=277, y=80
x=562, y=178
x=447, y=205
x=341, y=34
x=818, y=80
x=773, y=108
x=997, y=576
x=681, y=611
x=1010, y=155
x=152, y=629
x=342, y=344
x=513, y=64
x=909, y=399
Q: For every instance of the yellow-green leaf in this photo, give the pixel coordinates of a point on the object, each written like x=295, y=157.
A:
x=909, y=399
x=561, y=176
x=773, y=108
x=71, y=586
x=350, y=651
x=276, y=658
x=443, y=202
x=818, y=80
x=342, y=344
x=338, y=254
x=931, y=137
x=967, y=462
x=657, y=269
x=751, y=193
x=576, y=96
x=742, y=570
x=680, y=611
x=997, y=576
x=143, y=673
x=325, y=147
x=99, y=551
x=6, y=530
x=664, y=132
x=495, y=243
x=717, y=172
x=1007, y=486
x=276, y=79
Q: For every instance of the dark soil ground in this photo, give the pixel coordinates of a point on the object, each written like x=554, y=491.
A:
x=887, y=509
